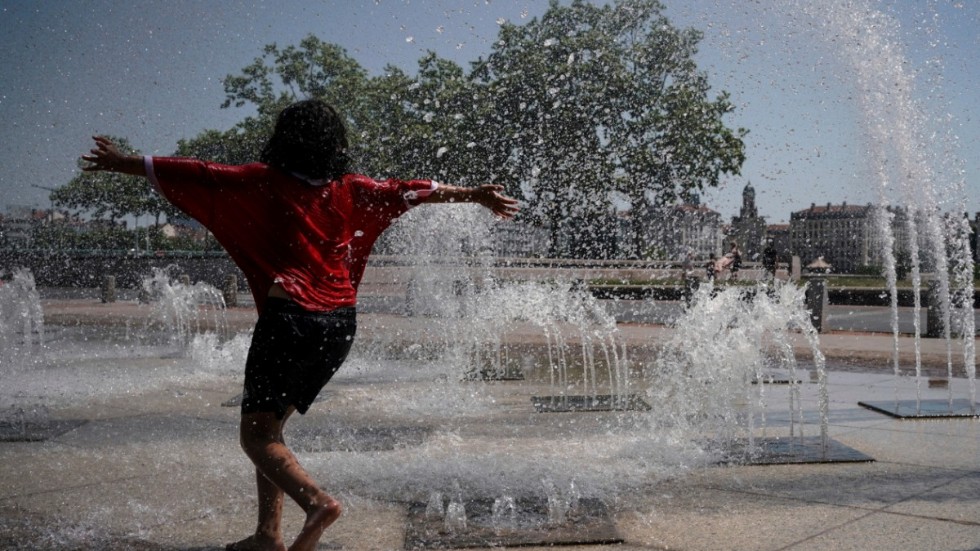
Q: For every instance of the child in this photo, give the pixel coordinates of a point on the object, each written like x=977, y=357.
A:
x=300, y=227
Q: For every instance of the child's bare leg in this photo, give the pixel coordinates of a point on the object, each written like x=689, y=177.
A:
x=268, y=531
x=317, y=520
x=262, y=442
x=270, y=498
x=270, y=507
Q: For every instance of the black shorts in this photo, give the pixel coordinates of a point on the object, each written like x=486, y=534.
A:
x=294, y=353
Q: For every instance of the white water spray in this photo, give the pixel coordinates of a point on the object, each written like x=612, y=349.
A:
x=720, y=347
x=908, y=154
x=185, y=309
x=21, y=320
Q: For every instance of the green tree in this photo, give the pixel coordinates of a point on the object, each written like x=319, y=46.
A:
x=398, y=125
x=238, y=145
x=54, y=236
x=600, y=99
x=548, y=77
x=424, y=125
x=280, y=76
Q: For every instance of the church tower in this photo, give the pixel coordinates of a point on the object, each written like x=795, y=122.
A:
x=749, y=209
x=748, y=229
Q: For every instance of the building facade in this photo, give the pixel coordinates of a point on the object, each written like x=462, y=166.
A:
x=850, y=237
x=515, y=239
x=841, y=234
x=683, y=229
x=19, y=223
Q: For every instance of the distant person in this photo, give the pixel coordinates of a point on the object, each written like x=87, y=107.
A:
x=711, y=267
x=770, y=260
x=300, y=226
x=736, y=260
x=687, y=265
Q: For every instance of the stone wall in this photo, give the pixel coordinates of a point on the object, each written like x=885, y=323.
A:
x=58, y=269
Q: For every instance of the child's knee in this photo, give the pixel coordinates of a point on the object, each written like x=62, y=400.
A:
x=248, y=440
x=252, y=438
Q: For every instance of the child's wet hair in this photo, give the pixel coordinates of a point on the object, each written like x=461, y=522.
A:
x=310, y=139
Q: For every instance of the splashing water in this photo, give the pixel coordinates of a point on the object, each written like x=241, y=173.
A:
x=454, y=280
x=184, y=309
x=562, y=314
x=700, y=386
x=64, y=363
x=723, y=344
x=911, y=158
x=21, y=320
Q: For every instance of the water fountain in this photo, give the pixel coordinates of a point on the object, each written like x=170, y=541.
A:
x=713, y=375
x=412, y=420
x=21, y=319
x=579, y=336
x=21, y=339
x=438, y=420
x=907, y=163
x=42, y=369
x=184, y=309
x=697, y=399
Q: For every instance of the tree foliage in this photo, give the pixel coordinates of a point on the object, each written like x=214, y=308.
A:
x=600, y=99
x=395, y=121
x=277, y=78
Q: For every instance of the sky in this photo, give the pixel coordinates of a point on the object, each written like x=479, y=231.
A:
x=151, y=72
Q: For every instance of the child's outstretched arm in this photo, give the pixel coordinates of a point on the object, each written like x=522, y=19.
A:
x=488, y=195
x=107, y=157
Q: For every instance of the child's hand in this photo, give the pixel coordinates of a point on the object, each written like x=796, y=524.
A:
x=489, y=196
x=105, y=156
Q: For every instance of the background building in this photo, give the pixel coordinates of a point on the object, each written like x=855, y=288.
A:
x=841, y=234
x=778, y=234
x=515, y=239
x=19, y=224
x=748, y=229
x=678, y=230
x=847, y=236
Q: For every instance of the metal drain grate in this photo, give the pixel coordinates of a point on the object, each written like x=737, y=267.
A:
x=600, y=402
x=792, y=451
x=588, y=524
x=924, y=409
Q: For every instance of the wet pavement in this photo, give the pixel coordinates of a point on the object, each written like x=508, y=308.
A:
x=160, y=469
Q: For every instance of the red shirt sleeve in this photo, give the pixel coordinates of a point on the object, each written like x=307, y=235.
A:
x=192, y=185
x=389, y=199
x=220, y=197
x=376, y=206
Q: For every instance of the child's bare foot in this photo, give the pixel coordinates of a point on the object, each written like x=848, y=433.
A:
x=257, y=543
x=317, y=520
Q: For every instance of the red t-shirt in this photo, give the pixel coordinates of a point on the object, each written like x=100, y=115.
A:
x=313, y=238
